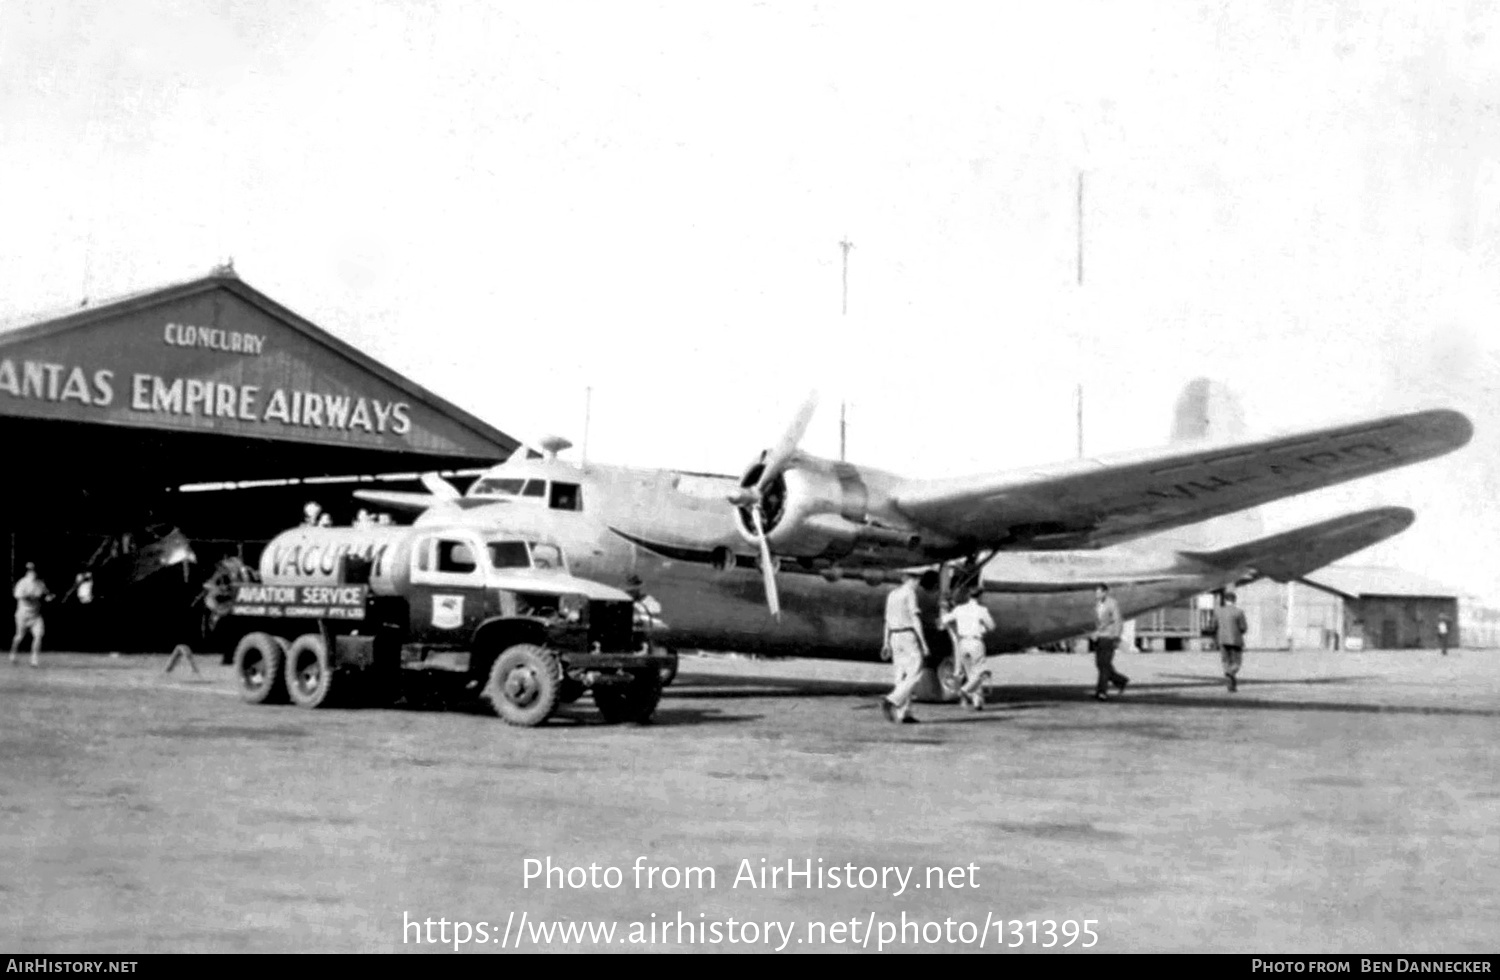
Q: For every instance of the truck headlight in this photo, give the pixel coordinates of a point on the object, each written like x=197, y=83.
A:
x=573, y=608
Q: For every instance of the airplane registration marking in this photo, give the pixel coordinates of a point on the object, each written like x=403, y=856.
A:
x=1300, y=466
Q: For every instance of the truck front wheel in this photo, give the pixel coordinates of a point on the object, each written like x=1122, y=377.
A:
x=635, y=701
x=669, y=672
x=524, y=684
x=310, y=680
x=258, y=665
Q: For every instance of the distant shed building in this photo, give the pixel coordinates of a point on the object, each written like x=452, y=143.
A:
x=1347, y=607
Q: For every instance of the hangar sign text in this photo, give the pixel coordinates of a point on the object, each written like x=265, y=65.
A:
x=154, y=394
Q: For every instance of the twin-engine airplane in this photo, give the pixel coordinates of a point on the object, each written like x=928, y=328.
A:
x=1037, y=540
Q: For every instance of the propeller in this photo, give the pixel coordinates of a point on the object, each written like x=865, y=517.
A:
x=774, y=462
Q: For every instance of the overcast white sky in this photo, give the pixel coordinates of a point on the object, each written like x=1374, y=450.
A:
x=511, y=202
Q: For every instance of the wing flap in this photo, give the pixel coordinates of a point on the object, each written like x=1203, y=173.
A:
x=1099, y=502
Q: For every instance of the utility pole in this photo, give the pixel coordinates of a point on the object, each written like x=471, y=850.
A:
x=1080, y=419
x=1080, y=227
x=588, y=404
x=846, y=245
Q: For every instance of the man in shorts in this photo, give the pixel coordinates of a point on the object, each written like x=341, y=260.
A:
x=970, y=621
x=30, y=592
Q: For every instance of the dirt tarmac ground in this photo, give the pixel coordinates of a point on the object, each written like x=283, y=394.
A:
x=1338, y=803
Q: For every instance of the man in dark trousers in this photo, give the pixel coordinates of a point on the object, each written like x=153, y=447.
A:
x=1442, y=628
x=1106, y=640
x=1230, y=627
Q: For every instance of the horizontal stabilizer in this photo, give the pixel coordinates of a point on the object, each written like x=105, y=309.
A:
x=1292, y=554
x=398, y=499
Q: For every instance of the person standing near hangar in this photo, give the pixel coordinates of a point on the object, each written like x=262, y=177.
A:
x=30, y=592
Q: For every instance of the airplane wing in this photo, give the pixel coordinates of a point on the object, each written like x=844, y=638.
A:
x=399, y=499
x=1099, y=502
x=1293, y=554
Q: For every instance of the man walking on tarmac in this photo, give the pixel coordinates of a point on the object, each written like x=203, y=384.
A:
x=1106, y=639
x=1230, y=628
x=908, y=647
x=969, y=621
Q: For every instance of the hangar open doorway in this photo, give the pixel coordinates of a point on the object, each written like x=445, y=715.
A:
x=108, y=411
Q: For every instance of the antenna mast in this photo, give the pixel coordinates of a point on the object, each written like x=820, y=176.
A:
x=1080, y=286
x=846, y=245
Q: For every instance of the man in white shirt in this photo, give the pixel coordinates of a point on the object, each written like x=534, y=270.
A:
x=970, y=621
x=903, y=637
x=30, y=592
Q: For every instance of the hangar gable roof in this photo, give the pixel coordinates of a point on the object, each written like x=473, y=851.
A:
x=216, y=354
x=1357, y=582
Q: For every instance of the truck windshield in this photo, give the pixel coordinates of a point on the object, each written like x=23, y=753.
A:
x=509, y=554
x=508, y=487
x=493, y=487
x=547, y=556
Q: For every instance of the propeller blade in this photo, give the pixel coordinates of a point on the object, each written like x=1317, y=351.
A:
x=767, y=570
x=439, y=487
x=780, y=454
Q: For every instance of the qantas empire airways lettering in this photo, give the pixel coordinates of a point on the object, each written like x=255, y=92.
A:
x=157, y=395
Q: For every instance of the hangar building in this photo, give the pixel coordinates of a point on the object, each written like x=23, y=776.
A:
x=109, y=411
x=1349, y=607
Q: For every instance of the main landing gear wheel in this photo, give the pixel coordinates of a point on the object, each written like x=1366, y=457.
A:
x=948, y=680
x=632, y=702
x=258, y=664
x=311, y=681
x=524, y=686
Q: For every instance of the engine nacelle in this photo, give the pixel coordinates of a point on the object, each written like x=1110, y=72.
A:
x=820, y=508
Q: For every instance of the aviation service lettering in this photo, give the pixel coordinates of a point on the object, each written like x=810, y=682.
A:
x=156, y=395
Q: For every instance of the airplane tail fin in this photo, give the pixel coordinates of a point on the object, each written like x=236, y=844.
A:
x=1207, y=410
x=1293, y=554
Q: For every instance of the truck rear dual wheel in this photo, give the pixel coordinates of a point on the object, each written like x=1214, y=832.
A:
x=525, y=684
x=311, y=681
x=259, y=660
x=631, y=702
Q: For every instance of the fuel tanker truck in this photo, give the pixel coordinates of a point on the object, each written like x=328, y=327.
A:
x=346, y=614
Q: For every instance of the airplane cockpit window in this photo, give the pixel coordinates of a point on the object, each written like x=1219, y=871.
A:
x=455, y=556
x=509, y=554
x=546, y=556
x=496, y=487
x=535, y=488
x=567, y=496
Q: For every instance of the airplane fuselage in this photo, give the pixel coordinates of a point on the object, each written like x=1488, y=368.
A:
x=676, y=534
